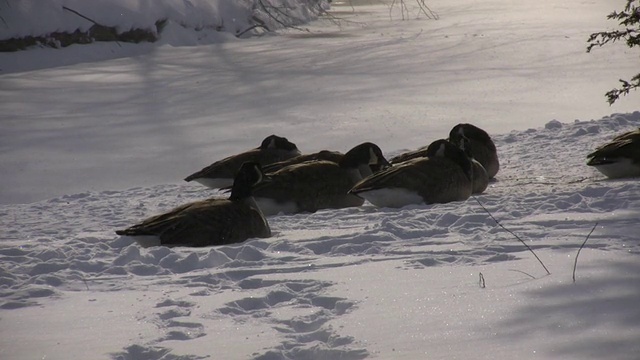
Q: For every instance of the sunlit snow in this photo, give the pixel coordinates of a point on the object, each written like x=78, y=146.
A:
x=98, y=137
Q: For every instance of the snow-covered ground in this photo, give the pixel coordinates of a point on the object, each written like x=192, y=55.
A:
x=97, y=137
x=157, y=113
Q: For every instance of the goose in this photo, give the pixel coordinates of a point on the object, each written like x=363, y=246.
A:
x=482, y=147
x=480, y=176
x=618, y=158
x=333, y=156
x=208, y=222
x=221, y=173
x=443, y=176
x=319, y=184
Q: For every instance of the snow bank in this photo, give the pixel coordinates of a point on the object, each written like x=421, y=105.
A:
x=35, y=18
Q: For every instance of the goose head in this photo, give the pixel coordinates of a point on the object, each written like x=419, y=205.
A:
x=364, y=158
x=470, y=132
x=445, y=149
x=274, y=142
x=249, y=175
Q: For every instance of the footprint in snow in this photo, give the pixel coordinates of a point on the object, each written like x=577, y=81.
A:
x=177, y=329
x=308, y=336
x=138, y=352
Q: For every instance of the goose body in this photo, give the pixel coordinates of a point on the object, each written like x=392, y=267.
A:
x=443, y=176
x=409, y=155
x=333, y=156
x=618, y=158
x=318, y=184
x=221, y=173
x=208, y=222
x=480, y=176
x=481, y=146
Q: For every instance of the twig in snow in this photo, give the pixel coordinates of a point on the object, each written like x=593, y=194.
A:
x=575, y=263
x=88, y=19
x=251, y=28
x=264, y=7
x=424, y=8
x=85, y=282
x=430, y=14
x=1, y=18
x=521, y=181
x=523, y=272
x=516, y=236
x=403, y=8
x=82, y=16
x=353, y=9
x=336, y=19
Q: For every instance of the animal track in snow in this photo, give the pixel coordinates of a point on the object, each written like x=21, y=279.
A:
x=177, y=329
x=306, y=336
x=138, y=352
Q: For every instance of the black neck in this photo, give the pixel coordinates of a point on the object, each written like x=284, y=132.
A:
x=240, y=190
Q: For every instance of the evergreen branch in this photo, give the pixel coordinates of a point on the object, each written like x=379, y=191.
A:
x=629, y=20
x=614, y=94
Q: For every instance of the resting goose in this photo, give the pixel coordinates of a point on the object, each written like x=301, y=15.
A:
x=443, y=176
x=318, y=184
x=482, y=147
x=221, y=173
x=618, y=158
x=480, y=177
x=208, y=222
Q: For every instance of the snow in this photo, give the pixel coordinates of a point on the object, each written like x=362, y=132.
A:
x=98, y=137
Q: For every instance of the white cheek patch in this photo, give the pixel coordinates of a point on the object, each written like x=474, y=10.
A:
x=259, y=173
x=373, y=158
x=463, y=144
